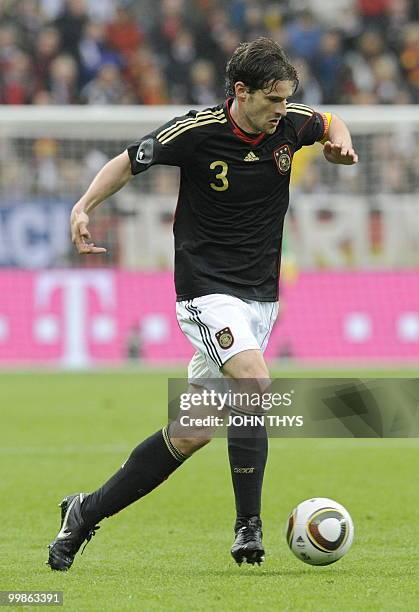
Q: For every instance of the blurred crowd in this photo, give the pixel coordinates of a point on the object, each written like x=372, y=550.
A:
x=175, y=51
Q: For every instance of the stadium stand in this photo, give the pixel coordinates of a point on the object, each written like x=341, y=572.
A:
x=174, y=51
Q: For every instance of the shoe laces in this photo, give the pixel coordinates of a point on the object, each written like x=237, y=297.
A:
x=252, y=522
x=89, y=536
x=247, y=533
x=247, y=527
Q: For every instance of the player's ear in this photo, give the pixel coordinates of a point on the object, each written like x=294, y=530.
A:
x=241, y=91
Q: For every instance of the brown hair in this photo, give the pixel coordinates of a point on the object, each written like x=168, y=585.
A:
x=258, y=64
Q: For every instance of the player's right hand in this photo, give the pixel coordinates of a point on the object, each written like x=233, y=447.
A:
x=80, y=235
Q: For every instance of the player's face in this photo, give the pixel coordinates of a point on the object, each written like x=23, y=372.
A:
x=264, y=108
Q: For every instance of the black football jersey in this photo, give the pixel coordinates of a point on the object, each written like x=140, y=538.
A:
x=233, y=196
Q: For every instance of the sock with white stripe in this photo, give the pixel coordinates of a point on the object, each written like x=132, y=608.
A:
x=149, y=464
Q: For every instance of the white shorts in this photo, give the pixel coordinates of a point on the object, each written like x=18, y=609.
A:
x=220, y=326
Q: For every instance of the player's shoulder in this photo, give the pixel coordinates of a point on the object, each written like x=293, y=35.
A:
x=306, y=124
x=194, y=123
x=299, y=114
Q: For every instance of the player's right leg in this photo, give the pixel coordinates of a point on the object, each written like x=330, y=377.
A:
x=149, y=464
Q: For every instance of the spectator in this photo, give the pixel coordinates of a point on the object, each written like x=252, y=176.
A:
x=387, y=79
x=273, y=19
x=370, y=47
x=30, y=21
x=374, y=12
x=70, y=24
x=237, y=11
x=204, y=89
x=144, y=68
x=228, y=41
x=16, y=84
x=309, y=91
x=169, y=24
x=329, y=12
x=350, y=26
x=409, y=58
x=304, y=35
x=209, y=38
x=47, y=48
x=44, y=172
x=398, y=17
x=93, y=52
x=102, y=11
x=181, y=56
x=329, y=65
x=8, y=44
x=63, y=75
x=152, y=88
x=133, y=343
x=123, y=33
x=108, y=87
x=253, y=25
x=51, y=9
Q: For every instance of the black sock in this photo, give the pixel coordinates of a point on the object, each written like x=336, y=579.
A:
x=248, y=456
x=149, y=465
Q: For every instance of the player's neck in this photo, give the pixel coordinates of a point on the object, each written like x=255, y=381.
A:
x=240, y=119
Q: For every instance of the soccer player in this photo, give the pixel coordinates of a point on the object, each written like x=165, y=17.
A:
x=235, y=162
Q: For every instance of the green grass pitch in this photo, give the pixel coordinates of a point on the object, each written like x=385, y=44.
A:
x=62, y=433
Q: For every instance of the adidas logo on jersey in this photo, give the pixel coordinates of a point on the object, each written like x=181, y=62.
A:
x=251, y=157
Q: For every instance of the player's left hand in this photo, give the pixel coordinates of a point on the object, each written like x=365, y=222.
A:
x=337, y=153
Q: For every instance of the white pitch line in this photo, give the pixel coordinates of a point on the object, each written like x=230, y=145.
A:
x=319, y=444
x=65, y=449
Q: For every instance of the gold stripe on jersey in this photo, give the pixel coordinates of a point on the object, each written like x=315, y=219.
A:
x=190, y=126
x=300, y=107
x=299, y=112
x=199, y=115
x=179, y=125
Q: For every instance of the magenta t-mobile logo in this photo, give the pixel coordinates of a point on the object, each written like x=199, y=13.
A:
x=78, y=320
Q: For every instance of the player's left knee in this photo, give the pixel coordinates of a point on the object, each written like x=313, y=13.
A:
x=252, y=380
x=259, y=376
x=247, y=365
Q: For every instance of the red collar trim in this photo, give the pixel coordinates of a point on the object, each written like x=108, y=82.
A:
x=255, y=140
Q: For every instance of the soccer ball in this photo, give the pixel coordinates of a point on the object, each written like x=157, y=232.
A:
x=319, y=531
